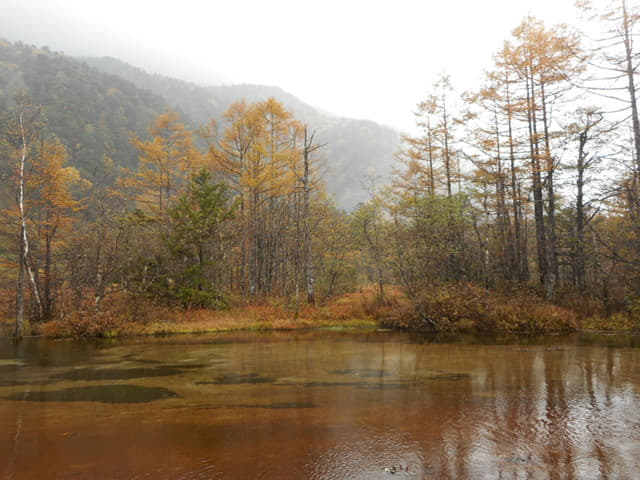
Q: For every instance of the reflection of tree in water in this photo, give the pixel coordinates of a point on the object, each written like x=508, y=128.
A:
x=332, y=406
x=542, y=415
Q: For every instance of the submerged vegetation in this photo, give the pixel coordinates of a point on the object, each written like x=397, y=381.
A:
x=515, y=207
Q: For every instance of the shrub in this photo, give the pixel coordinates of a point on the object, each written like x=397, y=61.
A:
x=449, y=306
x=528, y=314
x=191, y=297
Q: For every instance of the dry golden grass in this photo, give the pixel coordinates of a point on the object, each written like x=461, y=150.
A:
x=620, y=321
x=444, y=307
x=123, y=317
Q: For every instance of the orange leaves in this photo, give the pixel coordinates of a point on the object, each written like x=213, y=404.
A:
x=166, y=162
x=550, y=54
x=259, y=148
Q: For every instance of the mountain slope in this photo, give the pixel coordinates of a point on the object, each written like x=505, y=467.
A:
x=93, y=105
x=354, y=148
x=93, y=113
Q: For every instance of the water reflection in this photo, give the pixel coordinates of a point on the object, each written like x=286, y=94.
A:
x=323, y=406
x=361, y=372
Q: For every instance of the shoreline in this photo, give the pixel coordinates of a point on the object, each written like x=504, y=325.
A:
x=167, y=329
x=448, y=308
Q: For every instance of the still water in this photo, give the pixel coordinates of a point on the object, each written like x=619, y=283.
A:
x=322, y=406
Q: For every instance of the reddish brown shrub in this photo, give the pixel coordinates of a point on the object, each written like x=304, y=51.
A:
x=454, y=306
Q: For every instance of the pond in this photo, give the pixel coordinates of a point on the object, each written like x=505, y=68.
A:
x=322, y=405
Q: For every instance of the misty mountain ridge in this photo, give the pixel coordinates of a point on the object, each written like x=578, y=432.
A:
x=171, y=87
x=91, y=112
x=93, y=104
x=354, y=149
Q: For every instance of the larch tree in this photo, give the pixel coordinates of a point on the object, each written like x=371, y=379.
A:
x=544, y=60
x=418, y=153
x=505, y=82
x=53, y=211
x=491, y=174
x=165, y=163
x=615, y=60
x=615, y=56
x=309, y=183
x=591, y=132
x=261, y=151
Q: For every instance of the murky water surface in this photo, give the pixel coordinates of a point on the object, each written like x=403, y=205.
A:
x=324, y=406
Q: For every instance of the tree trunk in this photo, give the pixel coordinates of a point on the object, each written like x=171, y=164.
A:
x=308, y=260
x=580, y=222
x=447, y=154
x=552, y=258
x=541, y=243
x=520, y=252
x=432, y=179
x=24, y=238
x=47, y=294
x=19, y=330
x=630, y=72
x=506, y=251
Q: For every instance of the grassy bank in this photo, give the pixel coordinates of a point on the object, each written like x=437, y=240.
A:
x=120, y=316
x=444, y=307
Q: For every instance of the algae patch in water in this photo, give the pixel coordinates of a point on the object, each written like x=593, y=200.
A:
x=12, y=382
x=237, y=379
x=354, y=384
x=98, y=393
x=368, y=382
x=89, y=374
x=10, y=368
x=273, y=406
x=187, y=366
x=449, y=377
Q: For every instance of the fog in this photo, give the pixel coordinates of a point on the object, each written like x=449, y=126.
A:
x=362, y=59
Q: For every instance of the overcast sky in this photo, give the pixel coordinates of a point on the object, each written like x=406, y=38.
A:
x=363, y=59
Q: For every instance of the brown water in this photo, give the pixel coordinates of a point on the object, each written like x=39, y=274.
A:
x=323, y=406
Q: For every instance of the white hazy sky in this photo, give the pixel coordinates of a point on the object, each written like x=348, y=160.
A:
x=364, y=59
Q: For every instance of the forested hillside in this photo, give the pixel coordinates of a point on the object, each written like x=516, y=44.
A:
x=94, y=110
x=354, y=149
x=92, y=113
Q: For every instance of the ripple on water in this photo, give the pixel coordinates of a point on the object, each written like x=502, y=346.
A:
x=369, y=456
x=206, y=470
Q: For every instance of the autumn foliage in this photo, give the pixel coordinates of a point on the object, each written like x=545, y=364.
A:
x=504, y=213
x=448, y=307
